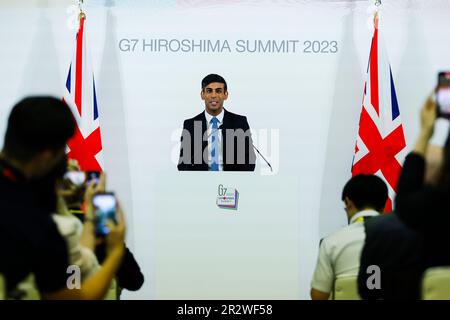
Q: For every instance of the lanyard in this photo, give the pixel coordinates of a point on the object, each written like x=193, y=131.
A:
x=361, y=219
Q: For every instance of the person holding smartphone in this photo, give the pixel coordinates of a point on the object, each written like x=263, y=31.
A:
x=82, y=242
x=32, y=160
x=85, y=250
x=424, y=206
x=80, y=238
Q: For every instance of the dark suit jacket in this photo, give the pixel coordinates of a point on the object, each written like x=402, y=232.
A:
x=237, y=145
x=397, y=250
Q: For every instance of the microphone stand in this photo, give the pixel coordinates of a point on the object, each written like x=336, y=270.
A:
x=220, y=128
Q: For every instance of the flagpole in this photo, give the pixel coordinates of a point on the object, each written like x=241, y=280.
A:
x=81, y=15
x=375, y=16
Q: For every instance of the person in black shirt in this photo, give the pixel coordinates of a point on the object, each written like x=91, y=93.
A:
x=32, y=159
x=425, y=207
x=397, y=251
x=415, y=238
x=29, y=240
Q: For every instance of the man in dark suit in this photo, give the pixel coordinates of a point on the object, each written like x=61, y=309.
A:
x=216, y=139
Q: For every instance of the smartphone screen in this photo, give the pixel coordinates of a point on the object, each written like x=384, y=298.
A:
x=92, y=177
x=75, y=177
x=105, y=207
x=443, y=95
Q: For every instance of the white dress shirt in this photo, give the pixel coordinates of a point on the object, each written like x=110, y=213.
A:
x=209, y=133
x=340, y=252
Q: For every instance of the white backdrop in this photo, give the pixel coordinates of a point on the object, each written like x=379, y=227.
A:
x=310, y=101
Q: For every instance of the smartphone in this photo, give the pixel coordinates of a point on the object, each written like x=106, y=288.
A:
x=105, y=209
x=75, y=177
x=92, y=177
x=443, y=95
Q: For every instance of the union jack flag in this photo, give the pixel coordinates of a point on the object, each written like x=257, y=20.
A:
x=80, y=95
x=380, y=145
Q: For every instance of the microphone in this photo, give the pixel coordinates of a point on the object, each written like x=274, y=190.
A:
x=260, y=154
x=220, y=128
x=262, y=157
x=265, y=160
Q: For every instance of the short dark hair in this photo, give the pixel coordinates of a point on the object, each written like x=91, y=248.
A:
x=36, y=124
x=210, y=78
x=366, y=191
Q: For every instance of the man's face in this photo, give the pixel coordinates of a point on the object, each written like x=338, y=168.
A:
x=214, y=95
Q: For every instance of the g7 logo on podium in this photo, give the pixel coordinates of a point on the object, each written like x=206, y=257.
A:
x=221, y=190
x=227, y=198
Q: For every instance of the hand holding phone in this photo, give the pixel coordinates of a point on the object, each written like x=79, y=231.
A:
x=105, y=212
x=443, y=95
x=92, y=177
x=77, y=178
x=116, y=237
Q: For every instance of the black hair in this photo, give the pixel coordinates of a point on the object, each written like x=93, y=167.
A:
x=366, y=191
x=36, y=124
x=210, y=78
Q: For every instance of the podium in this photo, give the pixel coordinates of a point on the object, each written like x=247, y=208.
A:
x=203, y=251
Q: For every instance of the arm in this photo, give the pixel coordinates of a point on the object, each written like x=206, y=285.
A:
x=411, y=196
x=88, y=236
x=411, y=178
x=427, y=117
x=319, y=295
x=185, y=148
x=412, y=175
x=323, y=278
x=96, y=286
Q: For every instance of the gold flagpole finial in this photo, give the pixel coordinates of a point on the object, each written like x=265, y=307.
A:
x=376, y=15
x=81, y=14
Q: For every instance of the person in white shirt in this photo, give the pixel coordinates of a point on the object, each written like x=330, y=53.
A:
x=364, y=197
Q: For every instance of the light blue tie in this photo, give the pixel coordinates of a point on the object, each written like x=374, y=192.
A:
x=215, y=145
